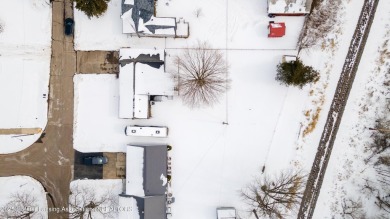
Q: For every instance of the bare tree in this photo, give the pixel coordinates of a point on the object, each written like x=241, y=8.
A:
x=319, y=23
x=22, y=205
x=275, y=196
x=202, y=76
x=352, y=209
x=198, y=12
x=84, y=202
x=380, y=136
x=383, y=202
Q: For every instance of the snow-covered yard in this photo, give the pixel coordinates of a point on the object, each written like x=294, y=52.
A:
x=25, y=192
x=25, y=43
x=103, y=193
x=211, y=161
x=268, y=124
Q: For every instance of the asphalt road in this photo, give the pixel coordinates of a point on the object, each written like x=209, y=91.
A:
x=51, y=162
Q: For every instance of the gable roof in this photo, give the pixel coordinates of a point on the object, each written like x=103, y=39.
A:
x=138, y=18
x=146, y=170
x=151, y=207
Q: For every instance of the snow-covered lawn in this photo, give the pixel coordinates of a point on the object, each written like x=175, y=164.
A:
x=347, y=169
x=211, y=161
x=23, y=186
x=24, y=69
x=104, y=193
x=235, y=24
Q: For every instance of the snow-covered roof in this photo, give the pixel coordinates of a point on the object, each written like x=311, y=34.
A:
x=226, y=213
x=146, y=170
x=151, y=207
x=126, y=91
x=153, y=81
x=141, y=106
x=289, y=58
x=289, y=6
x=137, y=19
x=141, y=74
x=135, y=171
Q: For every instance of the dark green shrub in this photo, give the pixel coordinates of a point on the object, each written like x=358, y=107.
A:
x=296, y=74
x=92, y=7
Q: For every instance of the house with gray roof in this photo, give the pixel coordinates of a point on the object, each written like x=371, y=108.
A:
x=139, y=19
x=146, y=182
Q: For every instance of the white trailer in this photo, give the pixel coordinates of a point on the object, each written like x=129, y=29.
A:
x=146, y=131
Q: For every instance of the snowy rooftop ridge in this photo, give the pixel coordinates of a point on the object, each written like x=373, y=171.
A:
x=146, y=169
x=297, y=7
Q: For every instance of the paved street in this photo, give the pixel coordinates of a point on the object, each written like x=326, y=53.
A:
x=51, y=162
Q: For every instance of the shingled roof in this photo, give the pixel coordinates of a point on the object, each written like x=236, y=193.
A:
x=138, y=19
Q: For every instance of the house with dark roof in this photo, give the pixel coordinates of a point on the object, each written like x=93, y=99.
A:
x=289, y=7
x=139, y=19
x=146, y=183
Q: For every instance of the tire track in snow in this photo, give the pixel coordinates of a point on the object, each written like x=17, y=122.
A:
x=336, y=110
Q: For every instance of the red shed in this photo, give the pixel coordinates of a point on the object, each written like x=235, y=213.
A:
x=276, y=29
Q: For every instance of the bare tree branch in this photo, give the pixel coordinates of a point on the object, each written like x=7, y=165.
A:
x=352, y=209
x=85, y=203
x=203, y=75
x=274, y=196
x=22, y=205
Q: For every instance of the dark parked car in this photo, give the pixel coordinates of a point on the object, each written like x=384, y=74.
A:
x=69, y=23
x=98, y=160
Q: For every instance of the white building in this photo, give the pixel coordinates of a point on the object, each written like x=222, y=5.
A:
x=289, y=7
x=138, y=19
x=141, y=78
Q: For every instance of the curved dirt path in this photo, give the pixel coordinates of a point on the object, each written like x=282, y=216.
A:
x=51, y=162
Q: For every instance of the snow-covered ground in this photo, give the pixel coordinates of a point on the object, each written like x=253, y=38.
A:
x=268, y=124
x=23, y=186
x=347, y=170
x=232, y=24
x=101, y=192
x=211, y=161
x=328, y=58
x=25, y=43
